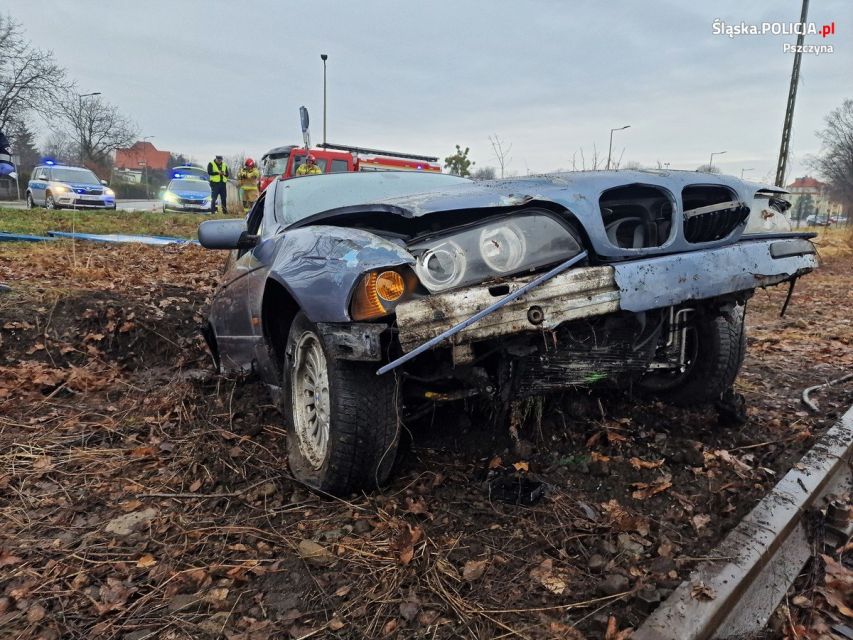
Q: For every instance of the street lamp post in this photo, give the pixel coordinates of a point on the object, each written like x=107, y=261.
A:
x=144, y=164
x=80, y=112
x=711, y=161
x=324, y=57
x=610, y=147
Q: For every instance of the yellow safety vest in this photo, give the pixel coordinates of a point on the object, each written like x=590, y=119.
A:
x=217, y=174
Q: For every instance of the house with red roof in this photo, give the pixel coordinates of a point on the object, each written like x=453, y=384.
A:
x=142, y=154
x=822, y=204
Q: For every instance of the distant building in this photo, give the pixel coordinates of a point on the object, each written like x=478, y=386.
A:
x=141, y=154
x=128, y=176
x=819, y=192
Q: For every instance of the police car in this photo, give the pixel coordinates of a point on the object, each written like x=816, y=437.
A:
x=187, y=194
x=54, y=186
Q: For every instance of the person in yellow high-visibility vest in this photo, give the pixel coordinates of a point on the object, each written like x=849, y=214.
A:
x=309, y=167
x=218, y=175
x=250, y=179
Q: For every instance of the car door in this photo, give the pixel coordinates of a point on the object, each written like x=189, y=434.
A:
x=38, y=185
x=236, y=306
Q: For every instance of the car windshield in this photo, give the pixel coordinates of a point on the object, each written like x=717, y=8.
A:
x=79, y=176
x=275, y=165
x=299, y=198
x=196, y=186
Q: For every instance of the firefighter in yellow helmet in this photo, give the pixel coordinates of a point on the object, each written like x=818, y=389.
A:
x=309, y=167
x=249, y=178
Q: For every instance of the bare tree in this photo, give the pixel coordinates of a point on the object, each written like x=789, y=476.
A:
x=596, y=162
x=60, y=147
x=501, y=153
x=96, y=125
x=707, y=168
x=30, y=79
x=835, y=162
x=484, y=173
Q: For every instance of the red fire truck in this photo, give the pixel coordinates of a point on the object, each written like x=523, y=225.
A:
x=332, y=158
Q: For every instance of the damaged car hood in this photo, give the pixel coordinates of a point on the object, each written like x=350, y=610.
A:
x=578, y=193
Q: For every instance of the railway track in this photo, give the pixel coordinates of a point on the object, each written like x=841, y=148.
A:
x=735, y=594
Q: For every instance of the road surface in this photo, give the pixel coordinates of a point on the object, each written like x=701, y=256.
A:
x=122, y=205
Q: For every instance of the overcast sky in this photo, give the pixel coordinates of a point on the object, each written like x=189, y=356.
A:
x=551, y=78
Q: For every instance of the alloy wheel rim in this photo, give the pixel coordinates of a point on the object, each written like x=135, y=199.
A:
x=310, y=398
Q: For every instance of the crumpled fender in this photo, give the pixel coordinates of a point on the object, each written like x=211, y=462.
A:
x=320, y=265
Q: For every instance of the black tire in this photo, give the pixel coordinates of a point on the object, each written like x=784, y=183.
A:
x=49, y=202
x=363, y=432
x=716, y=351
x=30, y=203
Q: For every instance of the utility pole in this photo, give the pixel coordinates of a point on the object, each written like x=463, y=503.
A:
x=324, y=57
x=792, y=98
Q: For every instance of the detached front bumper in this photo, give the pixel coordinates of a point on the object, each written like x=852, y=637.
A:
x=636, y=285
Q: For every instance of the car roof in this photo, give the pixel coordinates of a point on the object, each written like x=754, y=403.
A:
x=60, y=166
x=275, y=150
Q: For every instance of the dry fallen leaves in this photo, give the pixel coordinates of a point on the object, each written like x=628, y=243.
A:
x=146, y=561
x=622, y=520
x=700, y=521
x=553, y=579
x=638, y=463
x=645, y=490
x=474, y=570
x=613, y=633
x=701, y=591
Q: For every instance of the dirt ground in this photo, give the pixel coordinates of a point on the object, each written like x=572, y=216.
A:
x=142, y=496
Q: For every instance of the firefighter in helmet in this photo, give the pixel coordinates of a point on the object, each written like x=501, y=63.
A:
x=309, y=167
x=249, y=178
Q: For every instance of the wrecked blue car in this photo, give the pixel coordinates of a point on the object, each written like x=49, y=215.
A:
x=361, y=299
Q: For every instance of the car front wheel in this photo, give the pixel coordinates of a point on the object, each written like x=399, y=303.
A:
x=30, y=203
x=342, y=427
x=716, y=345
x=49, y=202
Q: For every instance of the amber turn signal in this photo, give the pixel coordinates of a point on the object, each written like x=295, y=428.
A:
x=390, y=286
x=377, y=294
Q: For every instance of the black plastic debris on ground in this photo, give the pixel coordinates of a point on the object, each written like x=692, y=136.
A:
x=514, y=488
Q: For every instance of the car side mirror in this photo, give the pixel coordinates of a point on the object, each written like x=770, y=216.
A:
x=104, y=182
x=226, y=234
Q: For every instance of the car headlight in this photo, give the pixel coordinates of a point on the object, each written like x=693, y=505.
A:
x=442, y=267
x=109, y=192
x=503, y=248
x=499, y=247
x=59, y=188
x=170, y=197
